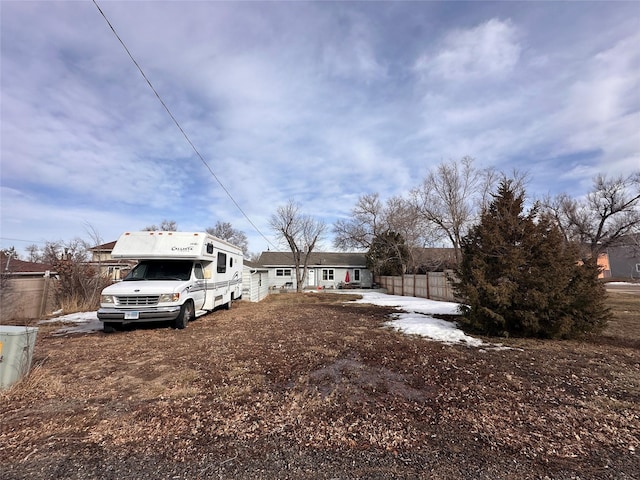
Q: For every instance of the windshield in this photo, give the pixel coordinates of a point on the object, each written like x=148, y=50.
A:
x=161, y=270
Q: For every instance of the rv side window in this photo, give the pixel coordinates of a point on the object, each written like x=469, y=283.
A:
x=230, y=261
x=198, y=271
x=222, y=262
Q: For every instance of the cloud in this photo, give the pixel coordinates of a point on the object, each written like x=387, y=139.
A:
x=600, y=110
x=351, y=54
x=319, y=102
x=38, y=219
x=488, y=50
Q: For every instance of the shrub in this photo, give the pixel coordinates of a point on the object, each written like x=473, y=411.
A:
x=519, y=277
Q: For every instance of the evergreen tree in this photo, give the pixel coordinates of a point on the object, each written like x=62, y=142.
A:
x=519, y=277
x=388, y=254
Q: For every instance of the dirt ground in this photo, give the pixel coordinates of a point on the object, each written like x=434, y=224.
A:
x=306, y=386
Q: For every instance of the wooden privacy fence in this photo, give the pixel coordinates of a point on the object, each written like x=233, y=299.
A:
x=26, y=298
x=432, y=285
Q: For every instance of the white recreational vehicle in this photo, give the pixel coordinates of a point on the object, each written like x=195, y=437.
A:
x=179, y=276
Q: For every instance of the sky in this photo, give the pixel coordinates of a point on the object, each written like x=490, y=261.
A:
x=315, y=102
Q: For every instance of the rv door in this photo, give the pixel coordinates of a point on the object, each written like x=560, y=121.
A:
x=200, y=290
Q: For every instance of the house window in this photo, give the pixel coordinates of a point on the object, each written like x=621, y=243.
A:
x=283, y=272
x=637, y=267
x=356, y=275
x=327, y=274
x=222, y=262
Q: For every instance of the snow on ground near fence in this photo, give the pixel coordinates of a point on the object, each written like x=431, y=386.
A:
x=416, y=319
x=85, y=322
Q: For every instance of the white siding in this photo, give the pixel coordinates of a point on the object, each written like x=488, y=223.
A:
x=255, y=284
x=328, y=277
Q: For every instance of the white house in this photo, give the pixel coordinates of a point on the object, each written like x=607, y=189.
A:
x=325, y=270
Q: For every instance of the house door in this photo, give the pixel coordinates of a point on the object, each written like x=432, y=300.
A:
x=312, y=277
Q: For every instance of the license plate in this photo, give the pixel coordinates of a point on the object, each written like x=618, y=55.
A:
x=131, y=315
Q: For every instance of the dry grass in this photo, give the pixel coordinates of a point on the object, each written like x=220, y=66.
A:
x=625, y=323
x=306, y=386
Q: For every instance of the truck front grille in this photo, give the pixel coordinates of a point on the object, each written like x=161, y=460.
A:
x=138, y=300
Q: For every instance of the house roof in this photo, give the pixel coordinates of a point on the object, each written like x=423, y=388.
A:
x=434, y=254
x=328, y=259
x=252, y=265
x=13, y=265
x=105, y=246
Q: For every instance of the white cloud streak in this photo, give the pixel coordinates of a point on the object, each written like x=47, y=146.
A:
x=488, y=50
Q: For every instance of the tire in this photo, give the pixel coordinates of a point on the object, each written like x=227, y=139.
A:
x=186, y=314
x=109, y=327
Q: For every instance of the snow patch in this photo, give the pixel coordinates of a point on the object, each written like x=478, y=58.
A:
x=416, y=319
x=85, y=322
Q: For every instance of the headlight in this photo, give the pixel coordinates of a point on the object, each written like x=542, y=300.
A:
x=169, y=297
x=106, y=299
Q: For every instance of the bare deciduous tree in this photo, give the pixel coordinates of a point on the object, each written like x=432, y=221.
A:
x=33, y=252
x=226, y=232
x=367, y=220
x=80, y=280
x=388, y=254
x=371, y=217
x=610, y=211
x=452, y=196
x=301, y=233
x=372, y=220
x=403, y=217
x=165, y=226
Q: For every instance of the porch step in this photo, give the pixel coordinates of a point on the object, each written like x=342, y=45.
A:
x=201, y=312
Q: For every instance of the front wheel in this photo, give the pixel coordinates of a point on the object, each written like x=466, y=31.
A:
x=186, y=314
x=110, y=327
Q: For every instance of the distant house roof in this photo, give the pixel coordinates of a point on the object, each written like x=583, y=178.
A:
x=253, y=265
x=12, y=265
x=431, y=254
x=325, y=259
x=104, y=247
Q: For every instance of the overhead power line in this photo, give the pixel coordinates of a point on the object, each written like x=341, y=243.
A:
x=204, y=162
x=22, y=240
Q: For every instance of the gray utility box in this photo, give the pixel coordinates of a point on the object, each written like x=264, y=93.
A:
x=16, y=353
